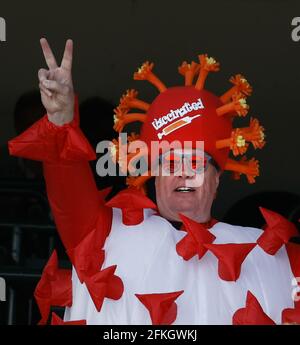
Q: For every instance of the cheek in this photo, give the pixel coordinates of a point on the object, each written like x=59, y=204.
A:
x=208, y=188
x=163, y=187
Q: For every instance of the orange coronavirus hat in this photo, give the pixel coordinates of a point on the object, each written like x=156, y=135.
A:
x=192, y=113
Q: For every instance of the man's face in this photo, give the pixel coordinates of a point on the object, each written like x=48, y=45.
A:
x=184, y=194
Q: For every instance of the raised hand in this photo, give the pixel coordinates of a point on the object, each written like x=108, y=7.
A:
x=56, y=85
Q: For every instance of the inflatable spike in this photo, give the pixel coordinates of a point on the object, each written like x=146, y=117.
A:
x=207, y=64
x=132, y=137
x=254, y=133
x=241, y=85
x=122, y=118
x=238, y=106
x=237, y=143
x=250, y=168
x=138, y=182
x=239, y=136
x=130, y=101
x=189, y=70
x=145, y=73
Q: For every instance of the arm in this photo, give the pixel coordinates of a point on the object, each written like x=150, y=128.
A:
x=57, y=140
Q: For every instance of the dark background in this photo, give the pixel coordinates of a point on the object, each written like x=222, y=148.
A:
x=113, y=38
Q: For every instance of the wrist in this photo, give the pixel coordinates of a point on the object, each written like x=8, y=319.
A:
x=60, y=119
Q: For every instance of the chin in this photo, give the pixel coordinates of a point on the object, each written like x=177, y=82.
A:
x=187, y=209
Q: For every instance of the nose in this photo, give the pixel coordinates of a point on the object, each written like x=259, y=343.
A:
x=187, y=173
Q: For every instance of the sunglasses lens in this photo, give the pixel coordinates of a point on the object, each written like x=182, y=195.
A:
x=172, y=162
x=198, y=162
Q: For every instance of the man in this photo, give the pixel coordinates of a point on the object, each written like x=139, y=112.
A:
x=132, y=264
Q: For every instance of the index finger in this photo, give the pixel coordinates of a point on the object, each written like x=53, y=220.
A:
x=49, y=57
x=66, y=62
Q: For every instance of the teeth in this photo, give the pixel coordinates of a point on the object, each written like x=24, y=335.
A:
x=184, y=189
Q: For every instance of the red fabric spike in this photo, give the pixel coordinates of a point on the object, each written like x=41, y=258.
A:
x=161, y=306
x=87, y=258
x=104, y=284
x=53, y=289
x=277, y=232
x=291, y=316
x=57, y=321
x=230, y=256
x=293, y=251
x=192, y=243
x=132, y=202
x=37, y=141
x=252, y=314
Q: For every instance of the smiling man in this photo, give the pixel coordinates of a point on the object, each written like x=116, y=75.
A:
x=131, y=265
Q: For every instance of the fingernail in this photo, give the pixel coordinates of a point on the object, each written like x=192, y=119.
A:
x=46, y=82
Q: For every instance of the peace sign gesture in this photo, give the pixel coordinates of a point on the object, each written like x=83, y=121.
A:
x=56, y=85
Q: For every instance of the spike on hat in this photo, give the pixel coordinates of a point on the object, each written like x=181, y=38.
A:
x=207, y=64
x=130, y=101
x=191, y=113
x=189, y=70
x=241, y=85
x=145, y=73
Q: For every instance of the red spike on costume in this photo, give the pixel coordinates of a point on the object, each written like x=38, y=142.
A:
x=57, y=321
x=104, y=284
x=87, y=257
x=278, y=231
x=293, y=251
x=193, y=242
x=291, y=316
x=132, y=202
x=231, y=257
x=53, y=289
x=145, y=73
x=161, y=306
x=252, y=314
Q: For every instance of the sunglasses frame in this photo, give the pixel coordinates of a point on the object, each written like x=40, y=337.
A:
x=187, y=162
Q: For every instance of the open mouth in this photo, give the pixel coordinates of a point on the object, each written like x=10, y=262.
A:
x=184, y=189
